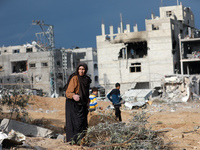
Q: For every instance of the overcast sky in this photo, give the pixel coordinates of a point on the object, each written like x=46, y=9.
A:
x=77, y=22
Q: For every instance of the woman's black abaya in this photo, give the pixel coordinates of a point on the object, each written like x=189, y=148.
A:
x=76, y=120
x=76, y=112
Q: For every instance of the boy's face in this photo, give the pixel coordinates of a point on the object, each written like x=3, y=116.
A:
x=95, y=92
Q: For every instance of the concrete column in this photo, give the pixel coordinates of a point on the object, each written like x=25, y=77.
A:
x=198, y=81
x=126, y=56
x=118, y=30
x=103, y=29
x=128, y=27
x=122, y=30
x=189, y=32
x=121, y=24
x=135, y=28
x=188, y=72
x=72, y=62
x=152, y=16
x=111, y=32
x=124, y=53
x=181, y=52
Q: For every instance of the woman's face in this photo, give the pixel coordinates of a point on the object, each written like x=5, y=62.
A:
x=81, y=71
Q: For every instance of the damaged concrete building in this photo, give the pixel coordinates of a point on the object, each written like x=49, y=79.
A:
x=139, y=59
x=29, y=65
x=190, y=53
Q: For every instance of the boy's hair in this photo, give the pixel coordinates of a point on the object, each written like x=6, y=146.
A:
x=117, y=84
x=94, y=89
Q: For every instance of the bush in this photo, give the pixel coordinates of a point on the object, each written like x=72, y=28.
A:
x=16, y=100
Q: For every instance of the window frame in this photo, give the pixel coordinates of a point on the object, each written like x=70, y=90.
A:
x=29, y=50
x=32, y=64
x=16, y=51
x=136, y=67
x=44, y=64
x=169, y=13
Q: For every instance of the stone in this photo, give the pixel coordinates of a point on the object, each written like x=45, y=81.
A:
x=25, y=128
x=62, y=137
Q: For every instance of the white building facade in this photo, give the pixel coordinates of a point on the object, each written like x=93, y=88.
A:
x=139, y=59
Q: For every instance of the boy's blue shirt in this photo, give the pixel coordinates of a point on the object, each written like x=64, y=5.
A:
x=114, y=96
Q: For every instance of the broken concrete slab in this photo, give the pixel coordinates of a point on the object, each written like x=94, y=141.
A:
x=137, y=95
x=16, y=137
x=180, y=88
x=172, y=79
x=3, y=136
x=25, y=128
x=13, y=138
x=110, y=107
x=134, y=105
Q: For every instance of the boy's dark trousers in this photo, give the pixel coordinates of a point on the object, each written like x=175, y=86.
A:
x=118, y=112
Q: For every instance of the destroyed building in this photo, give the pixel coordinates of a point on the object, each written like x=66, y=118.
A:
x=139, y=59
x=190, y=53
x=29, y=66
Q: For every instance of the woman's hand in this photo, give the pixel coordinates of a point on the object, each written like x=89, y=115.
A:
x=76, y=97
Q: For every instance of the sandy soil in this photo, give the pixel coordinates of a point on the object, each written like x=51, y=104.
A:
x=178, y=123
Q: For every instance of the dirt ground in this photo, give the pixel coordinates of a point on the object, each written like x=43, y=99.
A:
x=178, y=123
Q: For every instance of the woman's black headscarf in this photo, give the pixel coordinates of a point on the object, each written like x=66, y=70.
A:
x=84, y=82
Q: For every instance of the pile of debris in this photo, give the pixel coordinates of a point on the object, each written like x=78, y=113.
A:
x=136, y=98
x=14, y=133
x=195, y=54
x=174, y=88
x=180, y=88
x=38, y=92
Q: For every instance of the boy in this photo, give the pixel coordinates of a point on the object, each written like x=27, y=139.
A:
x=93, y=99
x=114, y=97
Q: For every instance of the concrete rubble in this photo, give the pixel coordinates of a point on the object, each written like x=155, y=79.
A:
x=174, y=88
x=61, y=137
x=24, y=128
x=16, y=137
x=136, y=98
x=110, y=107
x=180, y=88
x=3, y=136
x=8, y=91
x=137, y=95
x=13, y=138
x=134, y=105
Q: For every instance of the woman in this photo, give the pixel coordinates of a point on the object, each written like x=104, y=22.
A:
x=77, y=102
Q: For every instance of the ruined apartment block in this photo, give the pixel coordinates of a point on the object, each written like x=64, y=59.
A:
x=139, y=59
x=29, y=66
x=190, y=54
x=25, y=65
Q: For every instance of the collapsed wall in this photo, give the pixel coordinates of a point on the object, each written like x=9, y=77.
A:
x=181, y=88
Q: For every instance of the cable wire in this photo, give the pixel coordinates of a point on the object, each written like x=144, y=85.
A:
x=23, y=34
